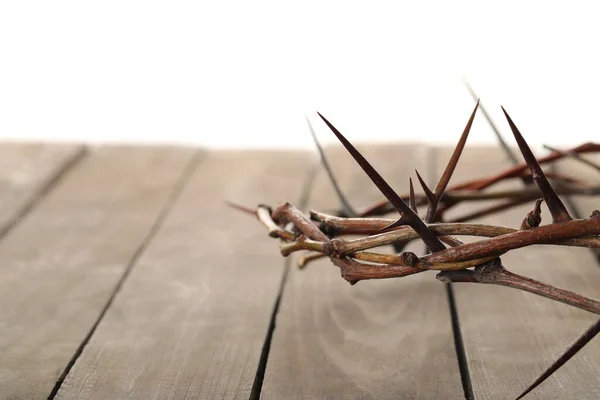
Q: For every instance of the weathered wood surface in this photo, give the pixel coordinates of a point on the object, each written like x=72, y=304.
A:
x=26, y=172
x=62, y=262
x=511, y=336
x=191, y=321
x=378, y=339
x=139, y=241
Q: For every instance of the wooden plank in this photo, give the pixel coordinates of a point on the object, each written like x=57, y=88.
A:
x=388, y=339
x=61, y=264
x=192, y=320
x=27, y=170
x=511, y=336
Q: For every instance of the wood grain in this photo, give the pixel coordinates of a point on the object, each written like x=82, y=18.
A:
x=511, y=336
x=60, y=265
x=27, y=171
x=192, y=319
x=388, y=339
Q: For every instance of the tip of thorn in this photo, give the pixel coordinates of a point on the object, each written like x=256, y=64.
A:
x=240, y=207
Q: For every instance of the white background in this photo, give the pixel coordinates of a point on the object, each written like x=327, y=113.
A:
x=246, y=73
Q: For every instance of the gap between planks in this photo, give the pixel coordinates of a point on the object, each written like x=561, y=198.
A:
x=192, y=319
x=264, y=356
x=437, y=169
x=164, y=212
x=60, y=257
x=378, y=339
x=41, y=192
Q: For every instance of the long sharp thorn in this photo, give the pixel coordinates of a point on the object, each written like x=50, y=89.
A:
x=573, y=349
x=555, y=205
x=430, y=195
x=575, y=156
x=240, y=207
x=408, y=216
x=411, y=196
x=501, y=142
x=445, y=178
x=346, y=207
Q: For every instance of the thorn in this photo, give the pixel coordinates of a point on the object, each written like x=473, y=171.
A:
x=445, y=178
x=533, y=217
x=507, y=150
x=346, y=207
x=399, y=246
x=240, y=207
x=399, y=222
x=430, y=195
x=573, y=349
x=411, y=196
x=407, y=214
x=303, y=261
x=557, y=208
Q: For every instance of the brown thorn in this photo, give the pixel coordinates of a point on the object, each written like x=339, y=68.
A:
x=445, y=178
x=533, y=217
x=507, y=150
x=431, y=199
x=408, y=215
x=557, y=208
x=304, y=260
x=411, y=197
x=430, y=195
x=240, y=207
x=573, y=349
x=346, y=207
x=401, y=221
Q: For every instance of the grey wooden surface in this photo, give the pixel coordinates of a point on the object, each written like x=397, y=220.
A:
x=124, y=276
x=61, y=263
x=192, y=319
x=27, y=171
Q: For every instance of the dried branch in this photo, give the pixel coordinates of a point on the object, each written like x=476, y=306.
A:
x=494, y=273
x=336, y=226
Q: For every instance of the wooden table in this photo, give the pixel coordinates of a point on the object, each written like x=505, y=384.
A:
x=123, y=275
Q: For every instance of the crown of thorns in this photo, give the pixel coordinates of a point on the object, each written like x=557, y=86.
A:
x=476, y=262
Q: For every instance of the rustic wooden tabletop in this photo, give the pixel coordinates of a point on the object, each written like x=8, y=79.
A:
x=123, y=275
